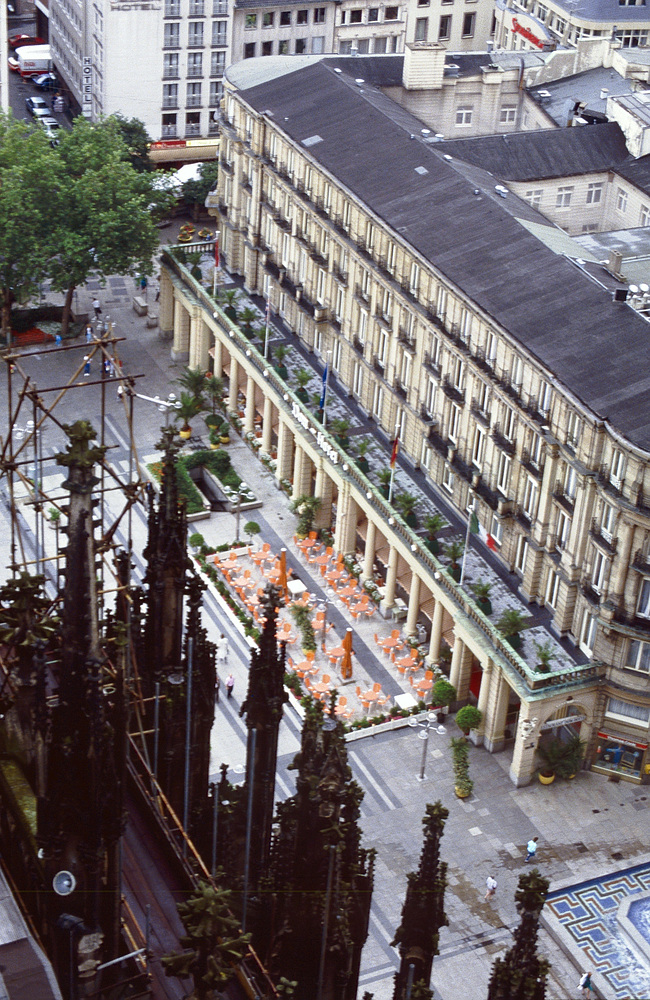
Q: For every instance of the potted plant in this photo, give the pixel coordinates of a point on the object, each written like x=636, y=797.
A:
x=481, y=590
x=560, y=758
x=247, y=317
x=188, y=407
x=306, y=507
x=385, y=476
x=303, y=376
x=406, y=504
x=224, y=433
x=230, y=298
x=463, y=785
x=468, y=717
x=362, y=461
x=280, y=353
x=511, y=623
x=454, y=552
x=193, y=380
x=434, y=523
x=442, y=695
x=545, y=655
x=213, y=390
x=340, y=427
x=196, y=540
x=214, y=438
x=54, y=516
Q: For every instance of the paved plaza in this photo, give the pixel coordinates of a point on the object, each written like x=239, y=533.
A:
x=586, y=827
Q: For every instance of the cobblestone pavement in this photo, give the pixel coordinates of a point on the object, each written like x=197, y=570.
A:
x=586, y=827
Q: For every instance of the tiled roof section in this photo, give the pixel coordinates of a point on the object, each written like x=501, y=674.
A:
x=529, y=156
x=570, y=324
x=637, y=172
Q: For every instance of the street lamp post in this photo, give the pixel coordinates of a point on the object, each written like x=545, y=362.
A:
x=425, y=728
x=243, y=488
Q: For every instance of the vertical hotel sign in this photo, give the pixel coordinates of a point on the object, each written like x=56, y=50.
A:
x=87, y=87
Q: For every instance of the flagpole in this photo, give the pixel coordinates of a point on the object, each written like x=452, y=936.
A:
x=393, y=464
x=326, y=389
x=266, y=332
x=216, y=265
x=469, y=527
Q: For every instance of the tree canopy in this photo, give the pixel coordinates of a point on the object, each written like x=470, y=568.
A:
x=67, y=211
x=196, y=191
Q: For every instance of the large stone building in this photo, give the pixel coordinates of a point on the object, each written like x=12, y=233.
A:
x=540, y=24
x=511, y=377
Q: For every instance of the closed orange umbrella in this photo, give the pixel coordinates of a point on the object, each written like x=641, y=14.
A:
x=282, y=581
x=346, y=662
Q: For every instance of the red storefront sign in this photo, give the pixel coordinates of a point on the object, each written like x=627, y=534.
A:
x=526, y=33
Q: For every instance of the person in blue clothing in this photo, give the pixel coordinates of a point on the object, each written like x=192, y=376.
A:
x=531, y=848
x=585, y=984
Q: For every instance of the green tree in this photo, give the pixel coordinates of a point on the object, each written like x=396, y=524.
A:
x=520, y=974
x=137, y=141
x=213, y=941
x=100, y=221
x=197, y=190
x=28, y=188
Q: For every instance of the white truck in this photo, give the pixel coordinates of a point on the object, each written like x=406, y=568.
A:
x=34, y=59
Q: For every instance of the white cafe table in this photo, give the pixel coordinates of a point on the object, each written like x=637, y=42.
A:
x=296, y=587
x=405, y=700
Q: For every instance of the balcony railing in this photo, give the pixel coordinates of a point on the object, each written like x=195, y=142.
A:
x=452, y=391
x=358, y=345
x=504, y=443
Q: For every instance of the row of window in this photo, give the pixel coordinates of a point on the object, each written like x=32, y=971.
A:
x=171, y=126
x=193, y=94
x=593, y=196
x=444, y=27
x=356, y=15
x=171, y=66
x=268, y=18
x=378, y=44
x=195, y=34
x=315, y=45
x=198, y=8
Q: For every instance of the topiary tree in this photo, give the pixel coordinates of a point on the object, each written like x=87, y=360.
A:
x=468, y=717
x=520, y=974
x=251, y=528
x=442, y=693
x=213, y=941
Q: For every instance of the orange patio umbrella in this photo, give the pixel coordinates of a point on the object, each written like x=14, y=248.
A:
x=346, y=662
x=282, y=581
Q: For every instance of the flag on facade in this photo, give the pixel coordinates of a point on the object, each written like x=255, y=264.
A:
x=324, y=390
x=268, y=311
x=394, y=452
x=216, y=250
x=477, y=528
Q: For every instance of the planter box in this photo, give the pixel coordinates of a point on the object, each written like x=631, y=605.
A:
x=139, y=306
x=382, y=727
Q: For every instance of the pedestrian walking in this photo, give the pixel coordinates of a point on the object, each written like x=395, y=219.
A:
x=89, y=333
x=230, y=683
x=143, y=285
x=585, y=984
x=58, y=340
x=108, y=367
x=86, y=365
x=531, y=848
x=222, y=649
x=491, y=884
x=120, y=391
x=97, y=307
x=217, y=685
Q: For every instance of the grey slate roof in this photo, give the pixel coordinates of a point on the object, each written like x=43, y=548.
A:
x=637, y=172
x=609, y=11
x=567, y=322
x=528, y=156
x=584, y=87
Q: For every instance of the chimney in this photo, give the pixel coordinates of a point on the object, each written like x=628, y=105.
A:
x=424, y=66
x=614, y=262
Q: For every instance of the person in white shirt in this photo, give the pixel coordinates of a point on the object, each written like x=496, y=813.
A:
x=491, y=884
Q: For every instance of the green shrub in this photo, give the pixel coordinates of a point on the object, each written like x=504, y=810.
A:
x=230, y=478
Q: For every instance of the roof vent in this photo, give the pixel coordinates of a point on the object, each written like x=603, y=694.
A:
x=425, y=131
x=603, y=93
x=619, y=295
x=501, y=190
x=359, y=82
x=544, y=96
x=421, y=170
x=446, y=156
x=337, y=70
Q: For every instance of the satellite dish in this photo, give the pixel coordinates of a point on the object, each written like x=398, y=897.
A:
x=634, y=289
x=64, y=883
x=644, y=288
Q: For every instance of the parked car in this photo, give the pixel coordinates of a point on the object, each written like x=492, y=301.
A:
x=38, y=107
x=16, y=40
x=46, y=81
x=51, y=127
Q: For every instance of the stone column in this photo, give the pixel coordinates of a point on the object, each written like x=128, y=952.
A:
x=391, y=581
x=285, y=451
x=234, y=384
x=436, y=631
x=369, y=557
x=346, y=522
x=523, y=756
x=456, y=663
x=218, y=357
x=301, y=472
x=249, y=416
x=324, y=489
x=180, y=346
x=465, y=674
x=618, y=579
x=495, y=723
x=199, y=341
x=414, y=606
x=166, y=309
x=267, y=425
x=483, y=697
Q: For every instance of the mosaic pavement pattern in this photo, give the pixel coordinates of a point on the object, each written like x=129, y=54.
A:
x=587, y=912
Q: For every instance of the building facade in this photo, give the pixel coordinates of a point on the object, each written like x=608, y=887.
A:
x=543, y=24
x=495, y=384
